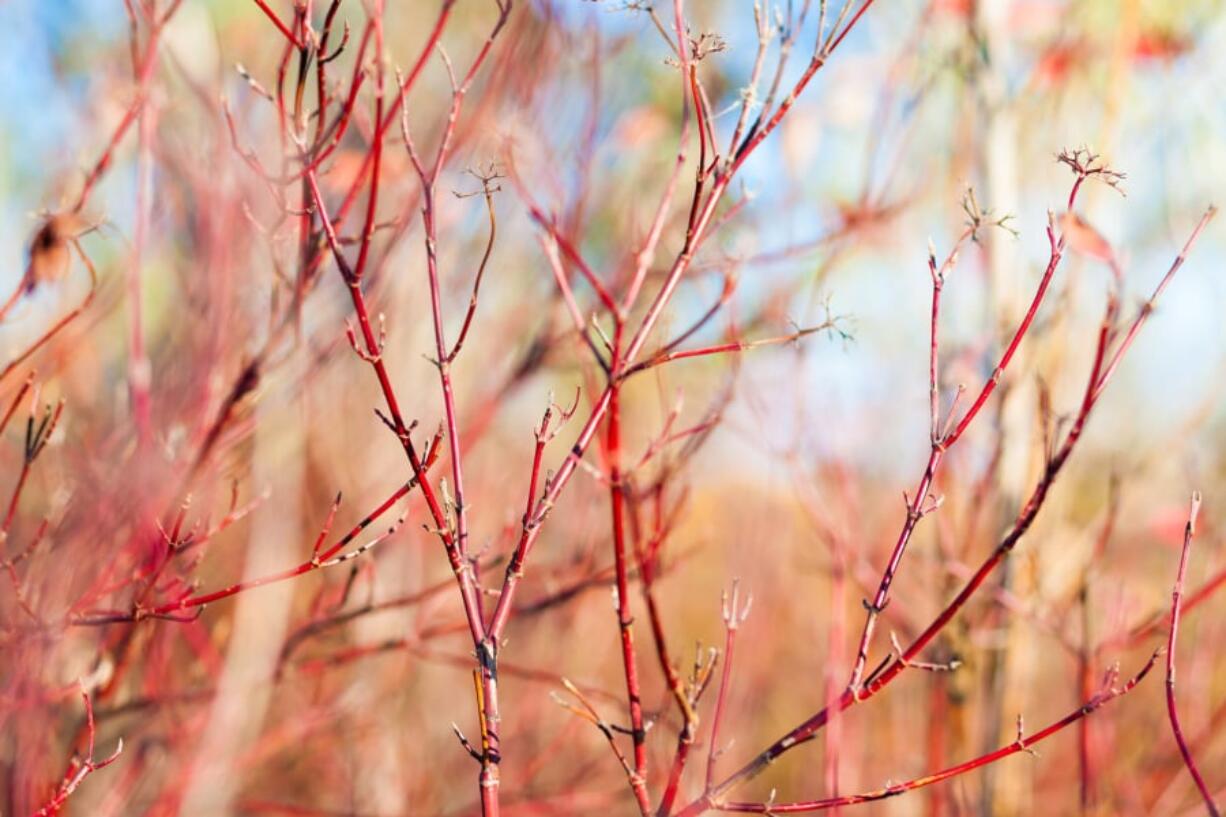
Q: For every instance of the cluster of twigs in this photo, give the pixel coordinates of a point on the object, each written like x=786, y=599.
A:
x=615, y=311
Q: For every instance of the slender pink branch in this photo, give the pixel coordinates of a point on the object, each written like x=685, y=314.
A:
x=724, y=348
x=575, y=257
x=1172, y=638
x=104, y=161
x=734, y=617
x=1148, y=307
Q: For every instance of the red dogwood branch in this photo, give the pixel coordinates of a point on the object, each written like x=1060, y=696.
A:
x=1024, y=743
x=1172, y=639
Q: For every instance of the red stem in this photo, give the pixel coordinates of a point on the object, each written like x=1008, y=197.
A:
x=272, y=15
x=721, y=698
x=621, y=569
x=990, y=386
x=1171, y=708
x=673, y=786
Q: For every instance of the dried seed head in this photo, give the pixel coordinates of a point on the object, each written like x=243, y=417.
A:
x=49, y=249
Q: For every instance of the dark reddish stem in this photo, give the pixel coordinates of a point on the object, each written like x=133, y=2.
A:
x=673, y=785
x=1172, y=639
